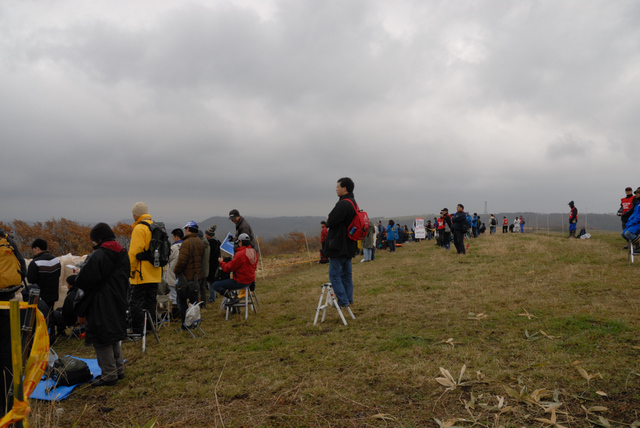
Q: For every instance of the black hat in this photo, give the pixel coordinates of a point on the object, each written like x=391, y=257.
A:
x=637, y=190
x=233, y=214
x=628, y=189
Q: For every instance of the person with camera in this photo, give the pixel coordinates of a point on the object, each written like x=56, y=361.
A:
x=243, y=266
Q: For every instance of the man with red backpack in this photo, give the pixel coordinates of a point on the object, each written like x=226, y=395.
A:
x=339, y=248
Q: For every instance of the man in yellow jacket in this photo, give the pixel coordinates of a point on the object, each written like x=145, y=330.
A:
x=144, y=276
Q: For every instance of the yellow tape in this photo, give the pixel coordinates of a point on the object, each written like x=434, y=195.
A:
x=36, y=365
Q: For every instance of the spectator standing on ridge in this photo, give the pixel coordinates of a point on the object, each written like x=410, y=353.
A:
x=505, y=224
x=323, y=242
x=627, y=204
x=242, y=226
x=392, y=236
x=340, y=248
x=440, y=229
x=632, y=230
x=169, y=276
x=144, y=276
x=189, y=265
x=368, y=242
x=460, y=226
x=104, y=278
x=573, y=220
x=204, y=290
x=474, y=225
x=44, y=270
x=446, y=234
x=493, y=222
x=13, y=273
x=214, y=255
x=521, y=224
x=243, y=265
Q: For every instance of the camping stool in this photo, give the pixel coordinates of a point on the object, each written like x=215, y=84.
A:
x=250, y=300
x=163, y=310
x=195, y=326
x=77, y=330
x=329, y=301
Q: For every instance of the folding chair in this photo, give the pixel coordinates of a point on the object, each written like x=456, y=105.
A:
x=191, y=324
x=163, y=310
x=248, y=299
x=76, y=330
x=330, y=301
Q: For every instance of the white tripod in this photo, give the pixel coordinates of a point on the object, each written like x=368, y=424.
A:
x=330, y=301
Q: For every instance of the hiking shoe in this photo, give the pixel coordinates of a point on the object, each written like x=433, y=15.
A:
x=232, y=301
x=101, y=382
x=120, y=376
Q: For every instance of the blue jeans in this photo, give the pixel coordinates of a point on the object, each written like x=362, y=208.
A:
x=341, y=281
x=367, y=252
x=572, y=226
x=627, y=234
x=222, y=286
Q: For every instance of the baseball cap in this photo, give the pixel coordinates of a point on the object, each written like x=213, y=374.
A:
x=191, y=225
x=233, y=214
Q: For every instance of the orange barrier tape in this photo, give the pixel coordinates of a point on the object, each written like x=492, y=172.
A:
x=36, y=365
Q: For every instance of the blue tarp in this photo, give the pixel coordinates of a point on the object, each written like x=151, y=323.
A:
x=61, y=392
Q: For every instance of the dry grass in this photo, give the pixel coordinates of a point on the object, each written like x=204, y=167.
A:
x=546, y=328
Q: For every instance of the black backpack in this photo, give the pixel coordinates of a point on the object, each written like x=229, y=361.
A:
x=68, y=371
x=159, y=246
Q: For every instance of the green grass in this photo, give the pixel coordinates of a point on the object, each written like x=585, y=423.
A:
x=416, y=311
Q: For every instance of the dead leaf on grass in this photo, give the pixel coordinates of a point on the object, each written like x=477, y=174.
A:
x=527, y=314
x=451, y=423
x=383, y=416
x=450, y=341
x=602, y=393
x=448, y=380
x=476, y=317
x=586, y=375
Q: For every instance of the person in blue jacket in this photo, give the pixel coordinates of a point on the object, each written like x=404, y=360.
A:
x=632, y=228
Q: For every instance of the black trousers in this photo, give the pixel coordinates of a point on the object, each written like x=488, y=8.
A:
x=142, y=296
x=458, y=241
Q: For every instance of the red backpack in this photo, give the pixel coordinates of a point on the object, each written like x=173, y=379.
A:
x=359, y=226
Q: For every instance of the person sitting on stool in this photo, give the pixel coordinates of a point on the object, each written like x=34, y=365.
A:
x=65, y=316
x=243, y=265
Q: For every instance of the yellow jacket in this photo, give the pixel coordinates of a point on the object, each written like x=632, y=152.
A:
x=142, y=271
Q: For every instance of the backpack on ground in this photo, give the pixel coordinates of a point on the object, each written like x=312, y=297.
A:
x=359, y=226
x=69, y=371
x=10, y=273
x=159, y=246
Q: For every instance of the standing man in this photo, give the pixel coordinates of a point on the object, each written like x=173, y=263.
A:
x=627, y=204
x=493, y=222
x=340, y=248
x=144, y=276
x=446, y=234
x=323, y=242
x=169, y=276
x=214, y=255
x=242, y=226
x=573, y=219
x=459, y=228
x=44, y=270
x=189, y=264
x=505, y=224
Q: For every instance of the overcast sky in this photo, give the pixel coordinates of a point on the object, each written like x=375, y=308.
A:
x=198, y=107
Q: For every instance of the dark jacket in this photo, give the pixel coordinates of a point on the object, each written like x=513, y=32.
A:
x=338, y=243
x=104, y=278
x=190, y=257
x=44, y=270
x=459, y=222
x=68, y=312
x=243, y=226
x=214, y=254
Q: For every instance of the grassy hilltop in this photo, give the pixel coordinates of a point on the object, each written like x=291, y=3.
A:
x=545, y=327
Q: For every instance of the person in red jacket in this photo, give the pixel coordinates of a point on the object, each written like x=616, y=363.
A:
x=323, y=241
x=243, y=265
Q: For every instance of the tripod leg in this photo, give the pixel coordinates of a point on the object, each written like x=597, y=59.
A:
x=315, y=320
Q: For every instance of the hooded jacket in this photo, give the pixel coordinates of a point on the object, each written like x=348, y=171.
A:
x=104, y=278
x=142, y=271
x=44, y=270
x=243, y=265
